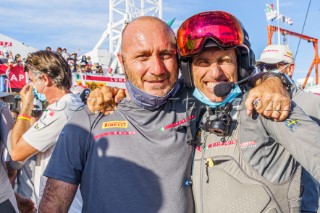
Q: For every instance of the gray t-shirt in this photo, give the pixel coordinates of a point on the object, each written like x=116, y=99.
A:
x=133, y=160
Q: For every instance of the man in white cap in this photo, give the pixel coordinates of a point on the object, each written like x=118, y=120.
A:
x=279, y=59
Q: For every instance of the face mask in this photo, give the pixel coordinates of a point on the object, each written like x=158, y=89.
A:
x=39, y=96
x=235, y=92
x=148, y=101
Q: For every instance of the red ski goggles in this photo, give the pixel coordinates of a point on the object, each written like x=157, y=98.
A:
x=223, y=28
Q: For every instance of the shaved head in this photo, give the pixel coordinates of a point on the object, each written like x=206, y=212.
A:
x=144, y=25
x=149, y=55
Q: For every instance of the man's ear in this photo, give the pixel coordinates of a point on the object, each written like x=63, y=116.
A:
x=291, y=70
x=47, y=80
x=120, y=58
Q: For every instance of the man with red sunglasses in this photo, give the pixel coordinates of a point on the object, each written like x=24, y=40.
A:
x=244, y=164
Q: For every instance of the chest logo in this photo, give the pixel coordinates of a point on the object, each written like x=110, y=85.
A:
x=115, y=124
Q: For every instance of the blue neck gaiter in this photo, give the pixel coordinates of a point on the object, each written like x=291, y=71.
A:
x=235, y=92
x=148, y=101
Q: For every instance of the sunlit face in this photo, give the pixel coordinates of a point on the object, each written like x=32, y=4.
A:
x=212, y=66
x=287, y=68
x=149, y=57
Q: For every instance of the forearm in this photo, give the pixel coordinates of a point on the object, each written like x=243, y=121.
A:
x=20, y=127
x=57, y=196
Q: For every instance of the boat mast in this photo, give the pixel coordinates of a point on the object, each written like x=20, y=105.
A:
x=278, y=17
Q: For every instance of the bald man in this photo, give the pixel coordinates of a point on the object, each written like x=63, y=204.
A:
x=133, y=160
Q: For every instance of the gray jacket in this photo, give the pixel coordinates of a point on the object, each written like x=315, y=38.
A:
x=310, y=104
x=256, y=168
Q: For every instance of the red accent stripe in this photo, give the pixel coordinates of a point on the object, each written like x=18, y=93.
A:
x=227, y=143
x=103, y=78
x=191, y=117
x=114, y=133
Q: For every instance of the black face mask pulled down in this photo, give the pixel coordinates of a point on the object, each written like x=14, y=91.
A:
x=147, y=101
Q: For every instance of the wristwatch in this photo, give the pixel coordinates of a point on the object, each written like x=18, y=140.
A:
x=285, y=79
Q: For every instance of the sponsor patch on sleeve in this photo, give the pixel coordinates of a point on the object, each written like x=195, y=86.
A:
x=292, y=123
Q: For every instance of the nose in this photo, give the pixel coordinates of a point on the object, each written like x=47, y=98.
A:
x=216, y=71
x=156, y=66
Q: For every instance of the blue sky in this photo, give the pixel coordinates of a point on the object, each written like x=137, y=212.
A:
x=79, y=23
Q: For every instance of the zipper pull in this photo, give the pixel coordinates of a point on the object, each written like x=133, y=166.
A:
x=209, y=163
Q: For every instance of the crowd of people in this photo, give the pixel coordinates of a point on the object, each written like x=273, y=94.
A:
x=200, y=143
x=83, y=64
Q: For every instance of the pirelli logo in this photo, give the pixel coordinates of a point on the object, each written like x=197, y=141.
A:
x=115, y=124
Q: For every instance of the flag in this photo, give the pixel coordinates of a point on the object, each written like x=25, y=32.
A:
x=288, y=21
x=285, y=19
x=171, y=22
x=271, y=14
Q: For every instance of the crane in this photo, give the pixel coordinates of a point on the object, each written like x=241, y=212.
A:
x=315, y=61
x=121, y=12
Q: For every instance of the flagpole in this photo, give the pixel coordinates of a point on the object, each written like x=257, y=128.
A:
x=278, y=11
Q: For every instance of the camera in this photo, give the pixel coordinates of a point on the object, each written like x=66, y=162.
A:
x=219, y=120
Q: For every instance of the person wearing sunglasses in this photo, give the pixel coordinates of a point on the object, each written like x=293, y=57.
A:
x=278, y=58
x=243, y=164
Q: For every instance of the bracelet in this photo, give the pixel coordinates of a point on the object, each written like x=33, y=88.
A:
x=24, y=115
x=20, y=117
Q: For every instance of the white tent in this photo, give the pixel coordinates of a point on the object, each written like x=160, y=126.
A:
x=7, y=43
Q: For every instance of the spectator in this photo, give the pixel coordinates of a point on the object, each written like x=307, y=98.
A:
x=8, y=201
x=59, y=50
x=84, y=59
x=10, y=55
x=279, y=58
x=89, y=62
x=65, y=54
x=5, y=54
x=50, y=77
